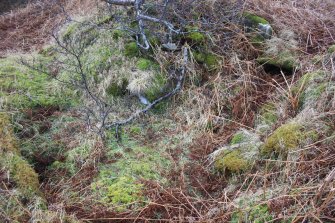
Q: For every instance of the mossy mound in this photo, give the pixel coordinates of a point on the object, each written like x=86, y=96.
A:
x=239, y=155
x=284, y=139
x=23, y=175
x=284, y=60
x=233, y=162
x=119, y=183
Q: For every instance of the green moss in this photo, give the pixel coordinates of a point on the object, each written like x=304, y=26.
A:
x=135, y=130
x=255, y=214
x=255, y=19
x=209, y=60
x=117, y=34
x=118, y=181
x=232, y=162
x=158, y=87
x=24, y=176
x=23, y=88
x=7, y=140
x=268, y=114
x=104, y=19
x=131, y=50
x=257, y=40
x=285, y=138
x=310, y=87
x=69, y=32
x=331, y=49
x=144, y=64
x=285, y=60
x=124, y=191
x=237, y=138
x=195, y=36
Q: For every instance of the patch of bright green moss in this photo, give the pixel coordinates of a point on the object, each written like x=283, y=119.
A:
x=195, y=36
x=144, y=64
x=125, y=190
x=131, y=49
x=255, y=19
x=135, y=130
x=232, y=162
x=285, y=138
x=118, y=181
x=23, y=174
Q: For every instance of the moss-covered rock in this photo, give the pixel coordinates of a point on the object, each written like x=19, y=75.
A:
x=258, y=28
x=284, y=60
x=286, y=138
x=239, y=155
x=254, y=20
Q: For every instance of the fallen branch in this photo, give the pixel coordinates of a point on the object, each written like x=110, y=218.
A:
x=177, y=88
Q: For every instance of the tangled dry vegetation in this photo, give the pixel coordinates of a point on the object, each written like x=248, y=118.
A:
x=250, y=138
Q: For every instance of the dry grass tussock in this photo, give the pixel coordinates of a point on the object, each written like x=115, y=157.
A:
x=29, y=28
